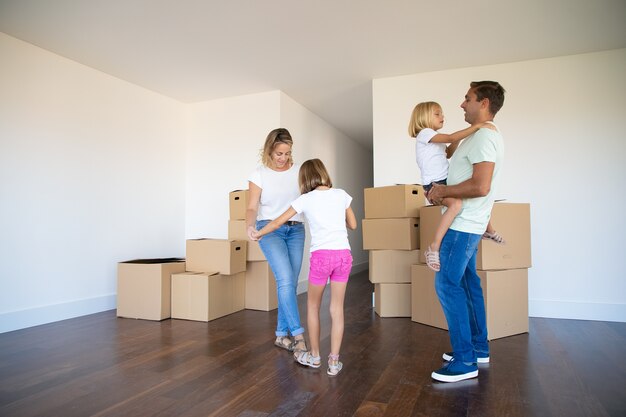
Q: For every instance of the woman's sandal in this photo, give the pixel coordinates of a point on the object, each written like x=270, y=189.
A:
x=284, y=342
x=334, y=366
x=432, y=259
x=495, y=237
x=298, y=347
x=305, y=358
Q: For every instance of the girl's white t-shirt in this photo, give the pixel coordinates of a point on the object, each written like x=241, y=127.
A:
x=278, y=190
x=431, y=157
x=325, y=211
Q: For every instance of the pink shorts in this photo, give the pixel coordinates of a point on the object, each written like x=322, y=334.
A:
x=326, y=263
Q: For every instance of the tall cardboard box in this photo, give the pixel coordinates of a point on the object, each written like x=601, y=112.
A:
x=237, y=231
x=506, y=301
x=402, y=200
x=391, y=266
x=143, y=287
x=206, y=296
x=260, y=287
x=505, y=293
x=511, y=220
x=392, y=300
x=227, y=257
x=425, y=306
x=238, y=204
x=400, y=234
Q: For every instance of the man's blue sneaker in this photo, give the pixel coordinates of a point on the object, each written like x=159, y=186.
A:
x=455, y=371
x=481, y=357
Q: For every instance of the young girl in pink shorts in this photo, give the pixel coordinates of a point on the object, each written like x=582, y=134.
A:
x=328, y=214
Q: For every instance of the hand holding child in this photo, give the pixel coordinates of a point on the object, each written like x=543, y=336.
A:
x=436, y=194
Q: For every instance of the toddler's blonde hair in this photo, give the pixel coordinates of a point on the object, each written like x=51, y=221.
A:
x=422, y=117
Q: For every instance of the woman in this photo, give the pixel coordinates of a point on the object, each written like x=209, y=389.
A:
x=273, y=187
x=328, y=214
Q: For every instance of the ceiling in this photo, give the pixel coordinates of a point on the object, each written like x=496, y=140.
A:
x=323, y=54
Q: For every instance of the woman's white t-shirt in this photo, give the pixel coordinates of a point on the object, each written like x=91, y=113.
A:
x=278, y=190
x=325, y=211
x=431, y=157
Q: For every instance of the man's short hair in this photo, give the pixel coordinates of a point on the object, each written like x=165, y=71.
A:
x=491, y=90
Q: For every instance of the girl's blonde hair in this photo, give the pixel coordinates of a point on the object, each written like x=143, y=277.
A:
x=312, y=174
x=275, y=137
x=422, y=117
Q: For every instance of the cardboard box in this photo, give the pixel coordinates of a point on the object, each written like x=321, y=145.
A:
x=237, y=231
x=394, y=201
x=400, y=234
x=425, y=306
x=238, y=204
x=239, y=291
x=511, y=220
x=392, y=300
x=143, y=287
x=228, y=257
x=260, y=287
x=505, y=293
x=206, y=296
x=391, y=266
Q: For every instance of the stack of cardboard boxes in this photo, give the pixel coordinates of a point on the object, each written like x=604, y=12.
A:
x=209, y=284
x=391, y=234
x=260, y=282
x=503, y=270
x=213, y=285
x=217, y=278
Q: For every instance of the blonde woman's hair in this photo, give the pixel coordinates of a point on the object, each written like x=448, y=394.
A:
x=422, y=117
x=274, y=138
x=313, y=174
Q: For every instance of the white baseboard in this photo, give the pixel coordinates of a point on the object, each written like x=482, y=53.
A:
x=576, y=310
x=22, y=319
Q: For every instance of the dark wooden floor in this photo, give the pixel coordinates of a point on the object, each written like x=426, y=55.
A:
x=100, y=365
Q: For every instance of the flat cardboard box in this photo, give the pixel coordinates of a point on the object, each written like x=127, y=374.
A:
x=403, y=200
x=400, y=234
x=143, y=287
x=260, y=287
x=392, y=300
x=391, y=266
x=511, y=221
x=206, y=296
x=238, y=204
x=228, y=257
x=237, y=231
x=505, y=293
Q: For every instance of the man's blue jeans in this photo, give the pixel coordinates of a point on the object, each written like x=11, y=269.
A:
x=460, y=295
x=283, y=249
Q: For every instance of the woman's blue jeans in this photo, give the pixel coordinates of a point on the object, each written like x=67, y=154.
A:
x=283, y=249
x=461, y=296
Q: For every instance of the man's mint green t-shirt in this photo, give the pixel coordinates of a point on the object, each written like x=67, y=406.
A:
x=486, y=145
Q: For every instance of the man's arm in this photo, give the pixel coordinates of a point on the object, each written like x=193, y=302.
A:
x=477, y=186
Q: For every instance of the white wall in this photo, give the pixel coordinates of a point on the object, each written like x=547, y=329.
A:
x=348, y=163
x=91, y=173
x=563, y=123
x=224, y=138
x=94, y=170
x=224, y=141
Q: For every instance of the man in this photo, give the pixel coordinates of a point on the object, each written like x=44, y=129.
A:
x=472, y=176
